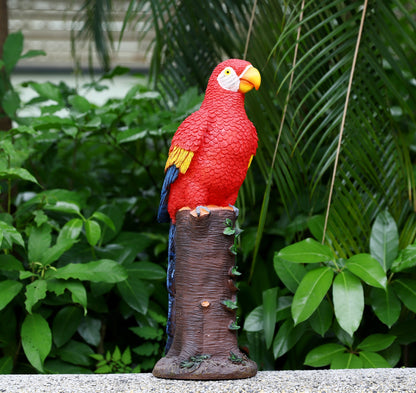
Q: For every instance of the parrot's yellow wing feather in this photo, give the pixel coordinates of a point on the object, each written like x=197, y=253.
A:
x=179, y=157
x=251, y=159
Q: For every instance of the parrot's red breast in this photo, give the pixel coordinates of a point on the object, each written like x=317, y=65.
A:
x=212, y=149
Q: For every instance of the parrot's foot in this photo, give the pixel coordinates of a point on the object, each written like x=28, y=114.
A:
x=199, y=211
x=235, y=209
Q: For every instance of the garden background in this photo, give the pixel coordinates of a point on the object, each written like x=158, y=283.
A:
x=327, y=254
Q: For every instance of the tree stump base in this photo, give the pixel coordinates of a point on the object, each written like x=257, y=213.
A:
x=205, y=337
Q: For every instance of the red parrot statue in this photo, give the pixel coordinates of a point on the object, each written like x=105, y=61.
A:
x=210, y=153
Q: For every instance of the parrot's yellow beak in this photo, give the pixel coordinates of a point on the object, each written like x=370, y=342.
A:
x=249, y=79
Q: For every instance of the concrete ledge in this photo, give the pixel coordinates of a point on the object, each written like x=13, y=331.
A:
x=323, y=381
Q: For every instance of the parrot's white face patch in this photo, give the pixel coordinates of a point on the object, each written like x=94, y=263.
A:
x=228, y=79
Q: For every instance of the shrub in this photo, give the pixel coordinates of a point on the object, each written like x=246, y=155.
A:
x=82, y=259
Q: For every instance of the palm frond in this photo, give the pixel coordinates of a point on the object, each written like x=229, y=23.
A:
x=375, y=163
x=376, y=160
x=92, y=24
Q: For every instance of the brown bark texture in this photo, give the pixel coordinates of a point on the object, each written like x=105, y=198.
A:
x=204, y=344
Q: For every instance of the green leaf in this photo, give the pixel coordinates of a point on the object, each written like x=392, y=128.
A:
x=230, y=304
x=306, y=251
x=132, y=134
x=147, y=349
x=70, y=130
x=33, y=53
x=71, y=230
x=368, y=269
x=53, y=253
x=93, y=232
x=148, y=332
x=116, y=354
x=90, y=330
x=373, y=360
x=103, y=270
x=346, y=360
x=310, y=293
x=65, y=324
x=100, y=216
x=10, y=263
x=17, y=173
x=64, y=207
x=10, y=103
x=348, y=296
x=79, y=293
x=94, y=123
x=269, y=314
x=79, y=103
x=376, y=342
x=126, y=246
x=322, y=356
x=9, y=289
x=36, y=340
x=384, y=240
x=10, y=236
x=286, y=338
x=344, y=337
x=405, y=289
x=392, y=354
x=321, y=319
x=47, y=90
x=126, y=356
x=48, y=122
x=135, y=293
x=146, y=271
x=385, y=305
x=40, y=217
x=229, y=231
x=12, y=50
x=39, y=240
x=77, y=289
x=254, y=321
x=406, y=259
x=291, y=274
x=6, y=365
x=35, y=291
x=76, y=353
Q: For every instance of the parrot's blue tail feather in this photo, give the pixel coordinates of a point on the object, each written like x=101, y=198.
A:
x=171, y=175
x=170, y=327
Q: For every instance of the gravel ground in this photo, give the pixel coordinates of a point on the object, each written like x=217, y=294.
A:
x=323, y=381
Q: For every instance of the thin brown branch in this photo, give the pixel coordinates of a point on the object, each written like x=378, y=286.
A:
x=250, y=27
x=344, y=116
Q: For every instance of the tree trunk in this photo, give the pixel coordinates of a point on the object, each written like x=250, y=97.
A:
x=5, y=122
x=205, y=339
x=4, y=24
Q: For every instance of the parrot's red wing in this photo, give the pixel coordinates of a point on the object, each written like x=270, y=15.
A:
x=190, y=133
x=185, y=143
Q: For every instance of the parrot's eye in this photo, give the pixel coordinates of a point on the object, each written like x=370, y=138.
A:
x=228, y=79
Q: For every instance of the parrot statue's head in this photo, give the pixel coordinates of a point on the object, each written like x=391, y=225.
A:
x=233, y=76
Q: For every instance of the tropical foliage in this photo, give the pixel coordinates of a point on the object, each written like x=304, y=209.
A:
x=336, y=122
x=328, y=250
x=82, y=288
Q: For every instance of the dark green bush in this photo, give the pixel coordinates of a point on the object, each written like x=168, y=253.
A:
x=82, y=275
